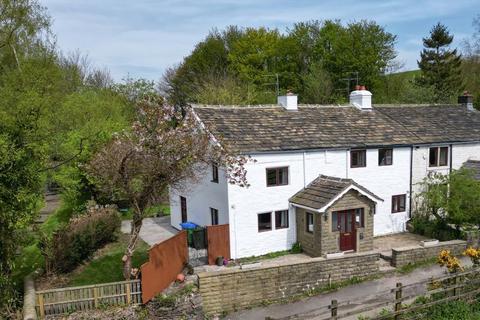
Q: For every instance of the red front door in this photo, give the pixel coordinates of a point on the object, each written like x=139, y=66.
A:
x=346, y=226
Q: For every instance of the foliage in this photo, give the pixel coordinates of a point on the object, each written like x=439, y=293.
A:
x=451, y=199
x=433, y=228
x=164, y=148
x=440, y=66
x=474, y=255
x=311, y=59
x=78, y=240
x=107, y=264
x=413, y=266
x=296, y=248
x=471, y=63
x=450, y=310
x=446, y=259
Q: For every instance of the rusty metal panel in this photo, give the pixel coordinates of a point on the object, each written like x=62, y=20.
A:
x=218, y=238
x=166, y=261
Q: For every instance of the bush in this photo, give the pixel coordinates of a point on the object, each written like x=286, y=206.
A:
x=80, y=238
x=433, y=228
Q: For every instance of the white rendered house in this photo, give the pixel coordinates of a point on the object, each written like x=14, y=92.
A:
x=329, y=177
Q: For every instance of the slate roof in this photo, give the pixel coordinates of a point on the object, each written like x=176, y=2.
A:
x=323, y=190
x=249, y=129
x=473, y=165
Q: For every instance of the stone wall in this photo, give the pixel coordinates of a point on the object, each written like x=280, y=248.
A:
x=236, y=289
x=413, y=254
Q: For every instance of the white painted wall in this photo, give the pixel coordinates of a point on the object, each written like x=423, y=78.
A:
x=386, y=181
x=245, y=204
x=240, y=206
x=200, y=198
x=460, y=154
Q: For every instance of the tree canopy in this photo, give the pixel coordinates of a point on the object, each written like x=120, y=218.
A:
x=255, y=60
x=440, y=65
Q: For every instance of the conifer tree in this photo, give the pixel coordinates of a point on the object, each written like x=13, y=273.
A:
x=440, y=65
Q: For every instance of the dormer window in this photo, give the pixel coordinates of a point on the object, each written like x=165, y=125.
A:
x=438, y=157
x=214, y=173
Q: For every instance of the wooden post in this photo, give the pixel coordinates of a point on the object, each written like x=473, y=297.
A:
x=41, y=306
x=334, y=307
x=455, y=283
x=127, y=291
x=95, y=296
x=398, y=297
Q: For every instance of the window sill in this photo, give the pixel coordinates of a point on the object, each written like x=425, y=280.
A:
x=404, y=211
x=214, y=181
x=262, y=231
x=357, y=167
x=281, y=228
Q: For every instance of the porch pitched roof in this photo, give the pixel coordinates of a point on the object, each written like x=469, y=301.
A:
x=322, y=192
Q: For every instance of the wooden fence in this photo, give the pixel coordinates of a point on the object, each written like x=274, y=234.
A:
x=218, y=239
x=403, y=301
x=165, y=261
x=55, y=302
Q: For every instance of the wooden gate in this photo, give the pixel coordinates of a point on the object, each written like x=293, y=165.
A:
x=218, y=238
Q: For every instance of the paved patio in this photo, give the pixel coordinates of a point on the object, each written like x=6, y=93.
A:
x=154, y=230
x=385, y=244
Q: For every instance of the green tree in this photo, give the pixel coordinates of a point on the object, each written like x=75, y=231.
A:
x=471, y=63
x=451, y=199
x=440, y=65
x=163, y=149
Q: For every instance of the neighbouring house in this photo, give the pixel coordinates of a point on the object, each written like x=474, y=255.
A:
x=328, y=177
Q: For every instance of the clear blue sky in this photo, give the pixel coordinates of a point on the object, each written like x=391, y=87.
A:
x=141, y=38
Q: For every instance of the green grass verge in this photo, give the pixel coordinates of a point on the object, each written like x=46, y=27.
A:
x=107, y=265
x=412, y=266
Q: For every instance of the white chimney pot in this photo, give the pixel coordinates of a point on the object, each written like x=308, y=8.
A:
x=289, y=101
x=361, y=99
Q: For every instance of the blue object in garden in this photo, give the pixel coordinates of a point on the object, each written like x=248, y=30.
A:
x=188, y=225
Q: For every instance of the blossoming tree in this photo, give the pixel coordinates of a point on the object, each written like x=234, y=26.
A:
x=165, y=147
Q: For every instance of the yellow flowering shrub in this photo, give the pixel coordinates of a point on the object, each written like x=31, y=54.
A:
x=474, y=255
x=445, y=259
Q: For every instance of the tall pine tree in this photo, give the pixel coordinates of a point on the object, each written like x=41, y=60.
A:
x=440, y=65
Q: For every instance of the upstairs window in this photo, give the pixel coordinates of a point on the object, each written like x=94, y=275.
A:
x=281, y=219
x=214, y=216
x=214, y=173
x=264, y=222
x=358, y=158
x=385, y=157
x=438, y=157
x=398, y=203
x=277, y=176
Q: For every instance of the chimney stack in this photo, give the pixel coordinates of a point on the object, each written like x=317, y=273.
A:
x=288, y=101
x=361, y=98
x=466, y=100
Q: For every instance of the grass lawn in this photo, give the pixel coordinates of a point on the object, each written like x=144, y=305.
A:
x=106, y=266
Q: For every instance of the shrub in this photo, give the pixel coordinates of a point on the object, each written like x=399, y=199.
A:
x=433, y=228
x=80, y=238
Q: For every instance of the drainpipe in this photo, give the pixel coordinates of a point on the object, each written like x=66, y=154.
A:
x=304, y=178
x=346, y=163
x=451, y=157
x=411, y=182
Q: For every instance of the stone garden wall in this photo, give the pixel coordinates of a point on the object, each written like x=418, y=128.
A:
x=230, y=290
x=413, y=254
